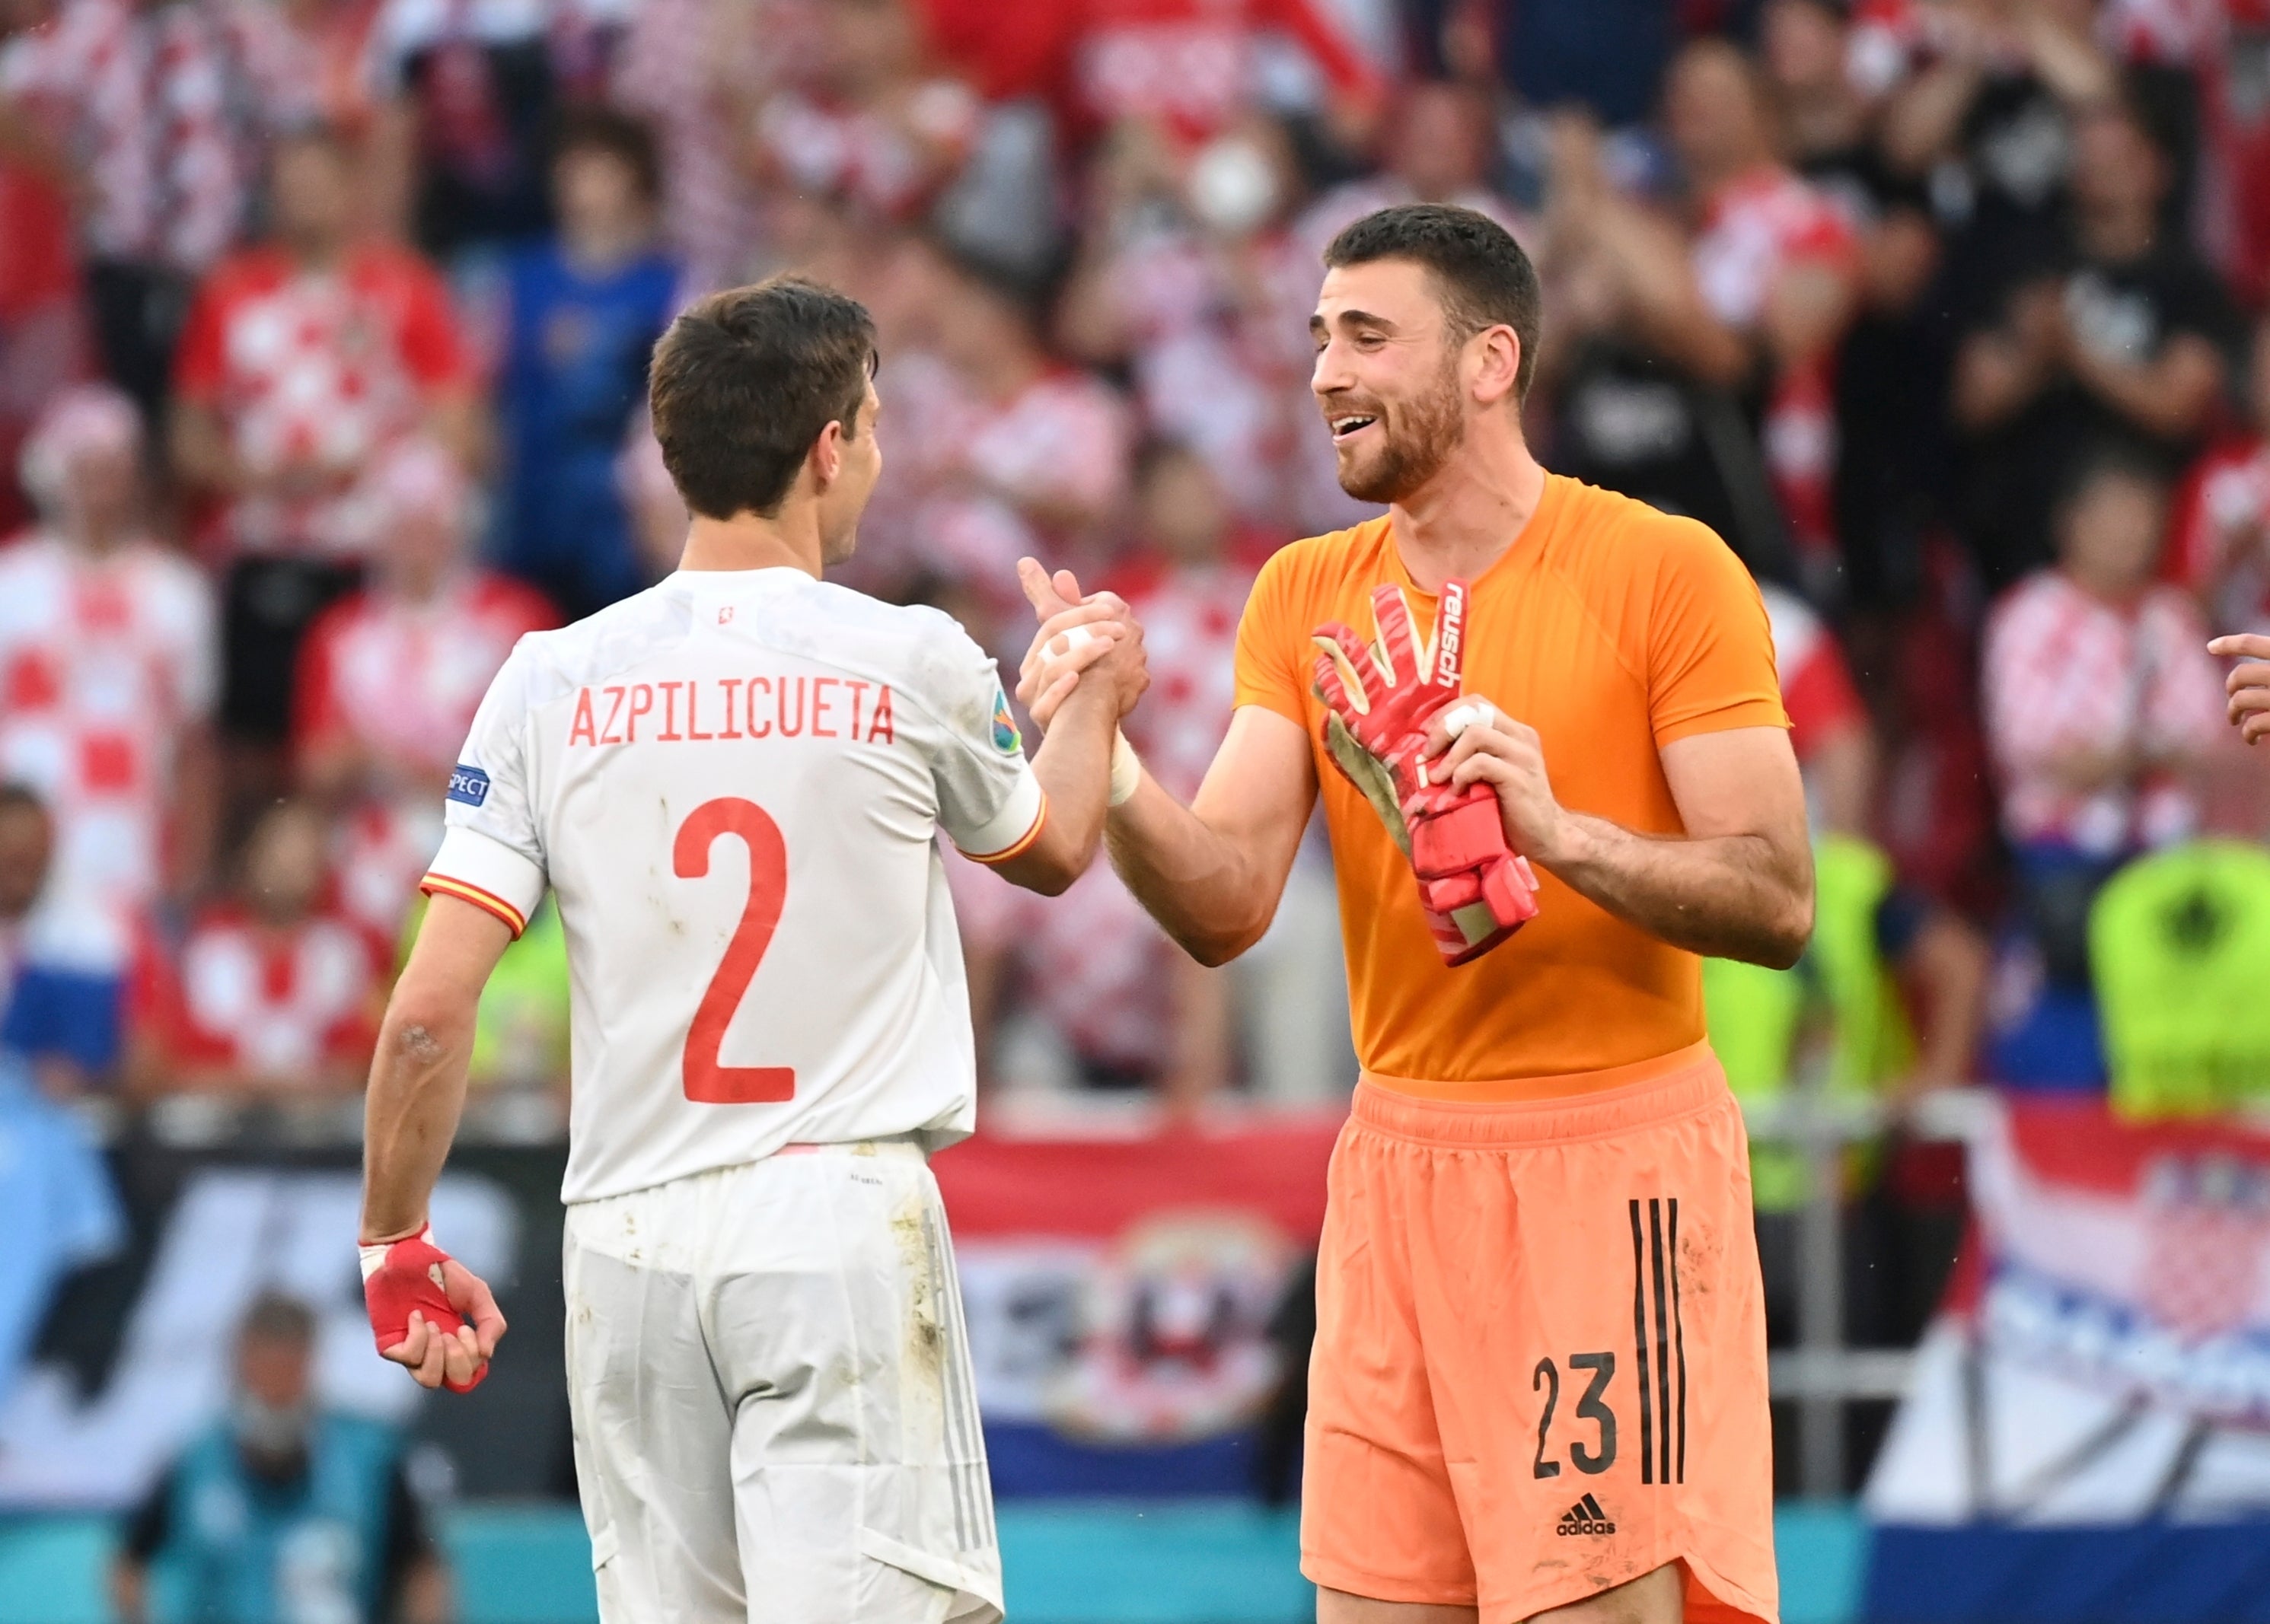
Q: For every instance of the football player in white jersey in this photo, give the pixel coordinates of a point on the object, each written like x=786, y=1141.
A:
x=733, y=784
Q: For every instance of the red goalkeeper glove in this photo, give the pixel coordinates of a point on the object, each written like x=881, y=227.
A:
x=1378, y=700
x=408, y=1276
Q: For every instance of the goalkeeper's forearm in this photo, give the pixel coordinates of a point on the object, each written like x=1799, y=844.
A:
x=1734, y=896
x=1203, y=891
x=1210, y=872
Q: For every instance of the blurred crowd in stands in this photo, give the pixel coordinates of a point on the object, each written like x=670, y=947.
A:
x=323, y=327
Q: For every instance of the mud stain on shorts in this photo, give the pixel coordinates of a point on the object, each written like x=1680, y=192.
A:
x=917, y=1263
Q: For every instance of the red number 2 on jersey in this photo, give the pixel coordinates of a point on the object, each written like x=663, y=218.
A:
x=706, y=1081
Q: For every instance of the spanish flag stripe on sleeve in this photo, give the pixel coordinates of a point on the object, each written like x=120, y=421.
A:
x=1024, y=841
x=442, y=885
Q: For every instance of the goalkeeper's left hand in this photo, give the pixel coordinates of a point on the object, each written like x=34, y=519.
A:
x=1475, y=743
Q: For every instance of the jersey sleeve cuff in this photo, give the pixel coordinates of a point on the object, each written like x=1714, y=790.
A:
x=1012, y=829
x=1288, y=705
x=491, y=876
x=1755, y=712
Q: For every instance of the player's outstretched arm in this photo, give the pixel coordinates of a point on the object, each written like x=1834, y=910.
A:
x=1073, y=763
x=1210, y=873
x=410, y=1115
x=2248, y=684
x=1738, y=885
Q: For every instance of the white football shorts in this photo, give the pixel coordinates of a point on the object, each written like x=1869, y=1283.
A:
x=774, y=1419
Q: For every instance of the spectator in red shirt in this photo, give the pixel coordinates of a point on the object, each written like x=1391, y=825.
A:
x=1194, y=66
x=1777, y=267
x=1742, y=302
x=389, y=678
x=106, y=673
x=1188, y=583
x=1128, y=1009
x=303, y=358
x=2220, y=544
x=42, y=345
x=998, y=448
x=1190, y=275
x=1050, y=439
x=144, y=106
x=690, y=69
x=1773, y=258
x=2101, y=704
x=1189, y=66
x=2099, y=693
x=274, y=993
x=867, y=124
x=1187, y=579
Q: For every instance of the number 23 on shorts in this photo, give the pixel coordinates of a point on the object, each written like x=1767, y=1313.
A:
x=1590, y=1459
x=707, y=1081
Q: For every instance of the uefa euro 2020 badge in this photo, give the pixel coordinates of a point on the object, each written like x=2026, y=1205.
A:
x=1006, y=739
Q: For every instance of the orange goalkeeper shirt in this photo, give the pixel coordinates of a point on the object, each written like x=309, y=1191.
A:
x=1612, y=629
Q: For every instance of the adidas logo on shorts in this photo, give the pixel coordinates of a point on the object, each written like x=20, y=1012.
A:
x=1586, y=1518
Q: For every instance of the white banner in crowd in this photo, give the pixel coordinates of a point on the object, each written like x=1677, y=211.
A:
x=2104, y=1356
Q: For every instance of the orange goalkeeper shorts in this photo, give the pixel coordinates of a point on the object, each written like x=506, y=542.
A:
x=1540, y=1360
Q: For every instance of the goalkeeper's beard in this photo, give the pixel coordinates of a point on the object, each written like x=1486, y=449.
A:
x=1432, y=430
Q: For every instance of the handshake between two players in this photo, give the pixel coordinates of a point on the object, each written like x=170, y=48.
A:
x=1448, y=776
x=777, y=1028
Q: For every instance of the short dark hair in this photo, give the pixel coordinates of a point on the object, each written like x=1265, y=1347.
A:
x=1481, y=274
x=323, y=134
x=618, y=135
x=2101, y=459
x=2136, y=101
x=747, y=380
x=1157, y=451
x=20, y=797
x=276, y=1317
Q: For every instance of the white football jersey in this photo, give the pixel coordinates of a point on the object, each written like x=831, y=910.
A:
x=732, y=784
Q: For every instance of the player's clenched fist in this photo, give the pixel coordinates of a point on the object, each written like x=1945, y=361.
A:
x=1076, y=632
x=2249, y=684
x=1473, y=741
x=429, y=1311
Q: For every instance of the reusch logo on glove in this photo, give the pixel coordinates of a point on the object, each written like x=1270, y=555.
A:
x=468, y=784
x=1449, y=634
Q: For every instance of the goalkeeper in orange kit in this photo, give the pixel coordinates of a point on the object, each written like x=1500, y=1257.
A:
x=1545, y=728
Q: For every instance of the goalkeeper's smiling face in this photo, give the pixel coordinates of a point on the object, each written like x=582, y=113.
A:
x=1387, y=377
